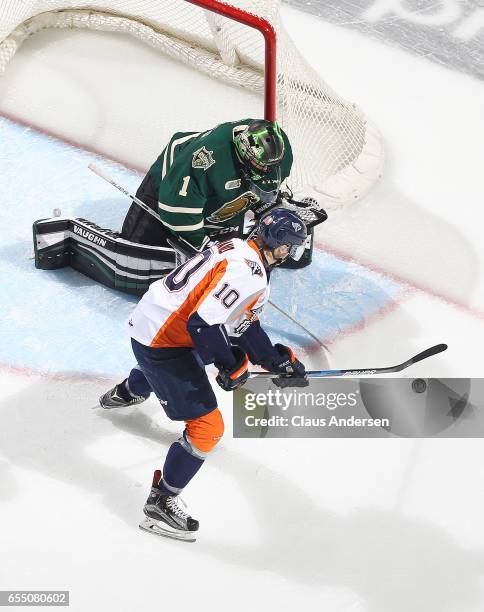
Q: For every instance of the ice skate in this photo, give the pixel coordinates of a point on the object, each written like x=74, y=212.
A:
x=120, y=397
x=165, y=517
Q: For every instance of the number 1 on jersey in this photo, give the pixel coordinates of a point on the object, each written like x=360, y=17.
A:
x=184, y=190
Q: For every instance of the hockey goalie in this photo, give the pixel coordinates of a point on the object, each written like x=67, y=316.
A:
x=203, y=187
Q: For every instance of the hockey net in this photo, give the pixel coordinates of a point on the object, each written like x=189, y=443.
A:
x=338, y=153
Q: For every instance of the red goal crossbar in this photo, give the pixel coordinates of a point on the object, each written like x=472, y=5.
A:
x=269, y=34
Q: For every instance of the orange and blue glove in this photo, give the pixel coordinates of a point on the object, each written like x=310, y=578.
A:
x=231, y=378
x=293, y=371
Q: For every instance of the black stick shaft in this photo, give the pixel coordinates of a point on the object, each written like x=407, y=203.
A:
x=430, y=352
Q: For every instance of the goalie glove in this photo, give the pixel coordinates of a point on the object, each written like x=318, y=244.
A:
x=307, y=208
x=293, y=370
x=262, y=207
x=233, y=378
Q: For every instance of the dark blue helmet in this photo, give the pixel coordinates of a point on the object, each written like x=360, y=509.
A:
x=278, y=227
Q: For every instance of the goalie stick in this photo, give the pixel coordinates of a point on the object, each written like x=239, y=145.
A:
x=430, y=352
x=182, y=245
x=177, y=243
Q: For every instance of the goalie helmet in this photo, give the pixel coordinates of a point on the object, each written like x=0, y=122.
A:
x=280, y=227
x=260, y=147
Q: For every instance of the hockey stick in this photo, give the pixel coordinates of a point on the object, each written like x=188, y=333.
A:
x=182, y=245
x=177, y=243
x=107, y=178
x=304, y=329
x=433, y=350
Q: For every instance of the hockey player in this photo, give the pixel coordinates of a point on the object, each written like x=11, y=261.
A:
x=199, y=189
x=205, y=311
x=203, y=183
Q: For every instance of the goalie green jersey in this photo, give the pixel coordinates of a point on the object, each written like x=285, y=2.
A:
x=202, y=186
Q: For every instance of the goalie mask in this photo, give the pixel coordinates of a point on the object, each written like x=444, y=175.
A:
x=266, y=190
x=260, y=147
x=284, y=233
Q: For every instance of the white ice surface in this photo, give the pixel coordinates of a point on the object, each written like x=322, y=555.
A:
x=360, y=525
x=338, y=525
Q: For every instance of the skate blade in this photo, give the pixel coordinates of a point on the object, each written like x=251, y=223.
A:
x=166, y=531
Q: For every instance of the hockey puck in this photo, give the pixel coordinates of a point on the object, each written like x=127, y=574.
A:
x=56, y=212
x=419, y=385
x=416, y=407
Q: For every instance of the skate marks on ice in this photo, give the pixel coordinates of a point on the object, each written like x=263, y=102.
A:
x=407, y=243
x=10, y=487
x=388, y=560
x=382, y=557
x=47, y=427
x=76, y=325
x=329, y=297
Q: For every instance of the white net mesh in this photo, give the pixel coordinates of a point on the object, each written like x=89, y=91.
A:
x=337, y=152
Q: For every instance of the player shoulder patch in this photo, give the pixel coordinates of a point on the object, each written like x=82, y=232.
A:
x=235, y=184
x=203, y=158
x=254, y=267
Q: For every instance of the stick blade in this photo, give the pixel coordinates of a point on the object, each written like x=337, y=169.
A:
x=430, y=352
x=92, y=166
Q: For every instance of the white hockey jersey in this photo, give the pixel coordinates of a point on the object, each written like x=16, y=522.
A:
x=225, y=285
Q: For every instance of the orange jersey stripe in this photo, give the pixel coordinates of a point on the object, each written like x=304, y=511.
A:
x=252, y=303
x=174, y=331
x=254, y=246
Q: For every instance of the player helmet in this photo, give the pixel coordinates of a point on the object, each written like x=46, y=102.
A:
x=278, y=228
x=260, y=147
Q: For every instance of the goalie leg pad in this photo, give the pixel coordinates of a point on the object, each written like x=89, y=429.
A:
x=100, y=254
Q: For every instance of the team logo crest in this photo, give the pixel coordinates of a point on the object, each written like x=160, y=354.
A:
x=247, y=322
x=296, y=226
x=203, y=158
x=254, y=267
x=233, y=208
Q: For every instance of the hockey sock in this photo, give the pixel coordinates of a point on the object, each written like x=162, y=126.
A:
x=180, y=467
x=123, y=391
x=136, y=383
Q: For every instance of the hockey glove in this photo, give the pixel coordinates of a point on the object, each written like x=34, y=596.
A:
x=233, y=378
x=293, y=370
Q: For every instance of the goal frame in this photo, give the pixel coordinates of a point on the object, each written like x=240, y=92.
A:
x=270, y=44
x=338, y=151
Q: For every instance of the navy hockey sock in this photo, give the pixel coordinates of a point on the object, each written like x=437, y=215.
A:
x=136, y=383
x=180, y=467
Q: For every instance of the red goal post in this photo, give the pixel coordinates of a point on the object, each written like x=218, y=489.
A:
x=269, y=34
x=338, y=152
